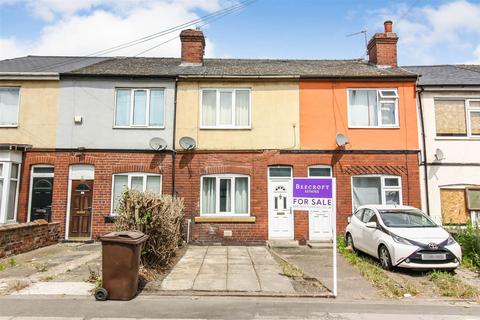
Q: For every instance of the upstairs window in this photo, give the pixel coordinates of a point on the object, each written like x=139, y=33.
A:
x=225, y=108
x=9, y=98
x=372, y=108
x=140, y=108
x=457, y=118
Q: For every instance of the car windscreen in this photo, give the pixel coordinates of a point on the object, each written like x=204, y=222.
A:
x=405, y=219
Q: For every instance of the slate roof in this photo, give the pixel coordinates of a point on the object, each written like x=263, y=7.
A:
x=447, y=75
x=39, y=64
x=241, y=68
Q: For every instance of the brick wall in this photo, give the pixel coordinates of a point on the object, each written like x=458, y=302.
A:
x=106, y=164
x=23, y=237
x=191, y=166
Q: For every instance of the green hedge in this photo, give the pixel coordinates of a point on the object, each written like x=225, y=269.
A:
x=469, y=240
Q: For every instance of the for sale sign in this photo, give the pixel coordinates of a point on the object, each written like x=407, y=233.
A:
x=313, y=193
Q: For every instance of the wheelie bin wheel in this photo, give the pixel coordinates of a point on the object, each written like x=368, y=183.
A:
x=101, y=294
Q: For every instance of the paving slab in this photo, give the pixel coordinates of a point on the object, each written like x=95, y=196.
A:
x=58, y=288
x=230, y=268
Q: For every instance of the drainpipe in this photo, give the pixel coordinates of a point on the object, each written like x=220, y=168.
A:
x=174, y=152
x=424, y=146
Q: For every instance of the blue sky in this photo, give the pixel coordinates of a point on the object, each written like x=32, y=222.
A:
x=431, y=32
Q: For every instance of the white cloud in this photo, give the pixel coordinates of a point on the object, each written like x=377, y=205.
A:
x=430, y=34
x=82, y=27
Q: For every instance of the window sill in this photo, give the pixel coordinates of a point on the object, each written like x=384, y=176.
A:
x=225, y=219
x=225, y=128
x=8, y=125
x=466, y=138
x=139, y=128
x=375, y=127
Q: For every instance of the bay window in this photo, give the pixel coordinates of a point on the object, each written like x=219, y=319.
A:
x=225, y=108
x=376, y=189
x=143, y=182
x=140, y=108
x=372, y=108
x=9, y=105
x=225, y=194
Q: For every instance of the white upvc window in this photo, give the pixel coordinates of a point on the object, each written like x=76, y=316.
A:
x=9, y=105
x=140, y=108
x=372, y=108
x=473, y=118
x=9, y=186
x=225, y=195
x=376, y=189
x=225, y=108
x=457, y=118
x=140, y=181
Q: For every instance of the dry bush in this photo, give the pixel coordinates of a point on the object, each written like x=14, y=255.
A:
x=158, y=216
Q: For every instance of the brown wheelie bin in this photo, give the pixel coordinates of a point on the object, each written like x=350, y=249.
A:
x=120, y=263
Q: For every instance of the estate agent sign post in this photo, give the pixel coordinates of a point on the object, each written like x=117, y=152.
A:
x=318, y=194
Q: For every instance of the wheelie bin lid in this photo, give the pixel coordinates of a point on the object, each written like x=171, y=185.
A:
x=130, y=237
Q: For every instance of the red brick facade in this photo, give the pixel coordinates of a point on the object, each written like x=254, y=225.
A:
x=106, y=164
x=191, y=166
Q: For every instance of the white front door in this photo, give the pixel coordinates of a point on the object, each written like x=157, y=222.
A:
x=320, y=225
x=280, y=213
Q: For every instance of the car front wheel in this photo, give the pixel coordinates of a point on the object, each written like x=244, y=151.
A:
x=350, y=242
x=384, y=256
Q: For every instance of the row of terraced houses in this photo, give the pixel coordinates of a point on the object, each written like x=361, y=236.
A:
x=228, y=135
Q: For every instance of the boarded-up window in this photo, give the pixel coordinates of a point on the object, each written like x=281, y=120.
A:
x=450, y=118
x=473, y=199
x=475, y=123
x=454, y=208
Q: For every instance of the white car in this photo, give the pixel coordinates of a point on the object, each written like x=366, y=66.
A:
x=402, y=236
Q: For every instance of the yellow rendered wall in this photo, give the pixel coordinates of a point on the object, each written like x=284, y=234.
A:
x=37, y=121
x=274, y=116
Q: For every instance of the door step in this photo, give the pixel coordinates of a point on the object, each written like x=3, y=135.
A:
x=282, y=243
x=321, y=244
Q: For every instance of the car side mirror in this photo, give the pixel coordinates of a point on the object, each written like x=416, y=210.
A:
x=349, y=219
x=371, y=224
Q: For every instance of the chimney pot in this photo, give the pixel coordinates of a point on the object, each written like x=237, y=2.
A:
x=193, y=47
x=382, y=47
x=388, y=26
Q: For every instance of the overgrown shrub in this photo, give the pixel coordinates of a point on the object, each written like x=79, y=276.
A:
x=469, y=240
x=158, y=216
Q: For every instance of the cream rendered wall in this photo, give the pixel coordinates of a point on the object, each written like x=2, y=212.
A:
x=38, y=107
x=274, y=111
x=461, y=166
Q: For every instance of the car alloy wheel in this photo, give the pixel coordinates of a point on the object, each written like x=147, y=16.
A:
x=385, y=259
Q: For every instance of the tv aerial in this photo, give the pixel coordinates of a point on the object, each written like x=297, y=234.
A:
x=187, y=143
x=365, y=37
x=341, y=140
x=158, y=144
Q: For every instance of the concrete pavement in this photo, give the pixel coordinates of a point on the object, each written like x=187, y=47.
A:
x=233, y=268
x=234, y=308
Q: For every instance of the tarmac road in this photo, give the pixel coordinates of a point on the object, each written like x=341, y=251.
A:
x=183, y=307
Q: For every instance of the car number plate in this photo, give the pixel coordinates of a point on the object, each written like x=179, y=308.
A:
x=434, y=256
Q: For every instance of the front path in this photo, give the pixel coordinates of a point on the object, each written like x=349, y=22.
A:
x=213, y=268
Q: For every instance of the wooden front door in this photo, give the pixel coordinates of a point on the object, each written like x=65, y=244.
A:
x=81, y=208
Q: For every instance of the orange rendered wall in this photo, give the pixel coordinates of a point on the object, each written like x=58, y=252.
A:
x=324, y=113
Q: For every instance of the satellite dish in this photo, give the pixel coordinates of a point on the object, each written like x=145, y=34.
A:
x=341, y=140
x=187, y=143
x=158, y=144
x=439, y=155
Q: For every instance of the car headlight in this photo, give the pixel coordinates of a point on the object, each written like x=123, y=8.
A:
x=451, y=241
x=401, y=240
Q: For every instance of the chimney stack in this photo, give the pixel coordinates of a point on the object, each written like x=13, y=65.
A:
x=193, y=47
x=382, y=48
